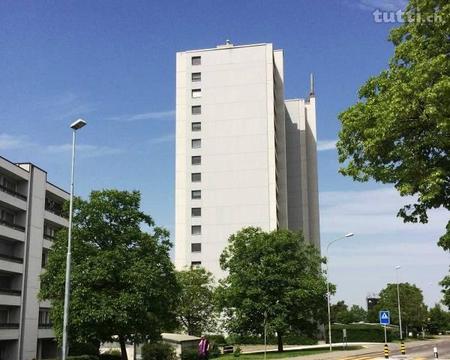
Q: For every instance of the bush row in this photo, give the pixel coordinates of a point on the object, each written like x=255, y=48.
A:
x=363, y=333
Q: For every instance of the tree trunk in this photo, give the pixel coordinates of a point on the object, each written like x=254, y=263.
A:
x=280, y=342
x=123, y=348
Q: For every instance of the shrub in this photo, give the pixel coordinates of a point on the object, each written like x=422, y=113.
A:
x=362, y=332
x=111, y=355
x=237, y=352
x=158, y=351
x=288, y=339
x=78, y=349
x=189, y=354
x=217, y=339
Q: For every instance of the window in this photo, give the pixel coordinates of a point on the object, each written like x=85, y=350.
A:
x=196, y=60
x=196, y=126
x=196, y=110
x=196, y=247
x=196, y=93
x=196, y=177
x=195, y=212
x=196, y=76
x=196, y=143
x=196, y=264
x=196, y=194
x=196, y=160
x=196, y=229
x=44, y=317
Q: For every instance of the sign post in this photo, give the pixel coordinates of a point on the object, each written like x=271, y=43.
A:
x=385, y=320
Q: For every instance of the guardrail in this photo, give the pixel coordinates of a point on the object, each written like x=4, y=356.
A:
x=12, y=192
x=11, y=225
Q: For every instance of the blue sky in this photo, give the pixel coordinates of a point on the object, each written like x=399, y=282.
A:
x=113, y=63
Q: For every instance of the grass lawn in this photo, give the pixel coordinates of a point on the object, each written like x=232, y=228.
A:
x=285, y=354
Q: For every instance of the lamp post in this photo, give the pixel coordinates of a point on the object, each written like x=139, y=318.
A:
x=397, y=268
x=75, y=126
x=328, y=286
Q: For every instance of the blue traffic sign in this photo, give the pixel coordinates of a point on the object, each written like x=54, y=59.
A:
x=385, y=317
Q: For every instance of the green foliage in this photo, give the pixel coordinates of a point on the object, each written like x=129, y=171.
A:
x=237, y=352
x=196, y=310
x=112, y=355
x=438, y=320
x=218, y=339
x=189, y=354
x=288, y=339
x=84, y=349
x=123, y=282
x=276, y=274
x=445, y=283
x=399, y=131
x=411, y=301
x=158, y=351
x=362, y=333
x=340, y=313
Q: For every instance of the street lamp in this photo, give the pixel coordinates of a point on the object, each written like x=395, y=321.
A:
x=397, y=268
x=328, y=286
x=75, y=126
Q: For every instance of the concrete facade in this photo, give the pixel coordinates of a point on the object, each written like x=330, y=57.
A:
x=236, y=141
x=30, y=214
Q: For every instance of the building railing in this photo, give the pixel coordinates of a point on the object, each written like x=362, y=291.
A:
x=9, y=325
x=12, y=192
x=12, y=225
x=57, y=212
x=5, y=291
x=45, y=325
x=11, y=258
x=49, y=237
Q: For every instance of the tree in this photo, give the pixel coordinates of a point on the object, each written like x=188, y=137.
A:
x=274, y=277
x=412, y=307
x=123, y=282
x=445, y=283
x=399, y=130
x=438, y=320
x=340, y=313
x=196, y=307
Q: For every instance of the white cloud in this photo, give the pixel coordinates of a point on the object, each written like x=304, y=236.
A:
x=372, y=212
x=324, y=145
x=8, y=141
x=154, y=115
x=162, y=139
x=84, y=150
x=383, y=5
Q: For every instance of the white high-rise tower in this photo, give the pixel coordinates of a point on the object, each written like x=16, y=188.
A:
x=244, y=155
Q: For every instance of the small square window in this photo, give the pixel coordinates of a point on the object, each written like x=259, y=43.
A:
x=196, y=264
x=196, y=110
x=196, y=93
x=196, y=194
x=196, y=143
x=196, y=76
x=196, y=212
x=196, y=126
x=196, y=177
x=196, y=160
x=196, y=247
x=196, y=60
x=196, y=229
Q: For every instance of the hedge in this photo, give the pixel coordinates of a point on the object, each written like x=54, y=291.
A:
x=288, y=339
x=362, y=333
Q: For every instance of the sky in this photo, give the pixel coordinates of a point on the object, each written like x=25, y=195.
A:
x=113, y=63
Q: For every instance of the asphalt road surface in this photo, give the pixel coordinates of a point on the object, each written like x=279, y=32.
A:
x=416, y=350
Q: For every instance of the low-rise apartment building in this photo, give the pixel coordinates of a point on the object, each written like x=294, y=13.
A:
x=30, y=214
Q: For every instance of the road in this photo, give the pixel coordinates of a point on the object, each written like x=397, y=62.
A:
x=415, y=350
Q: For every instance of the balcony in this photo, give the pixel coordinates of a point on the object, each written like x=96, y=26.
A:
x=56, y=218
x=9, y=325
x=11, y=258
x=13, y=193
x=12, y=225
x=6, y=291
